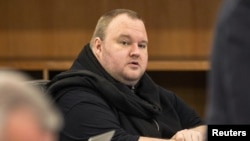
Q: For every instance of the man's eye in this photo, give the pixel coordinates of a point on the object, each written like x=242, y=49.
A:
x=142, y=46
x=125, y=43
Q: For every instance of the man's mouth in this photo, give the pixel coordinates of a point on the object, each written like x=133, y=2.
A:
x=134, y=64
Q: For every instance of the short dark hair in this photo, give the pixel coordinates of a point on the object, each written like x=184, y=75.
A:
x=105, y=20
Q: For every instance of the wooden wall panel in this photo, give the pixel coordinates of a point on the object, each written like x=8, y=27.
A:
x=57, y=29
x=182, y=29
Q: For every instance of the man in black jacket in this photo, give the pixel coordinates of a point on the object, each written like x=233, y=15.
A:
x=107, y=88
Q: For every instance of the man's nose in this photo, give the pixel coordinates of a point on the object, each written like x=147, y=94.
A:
x=135, y=51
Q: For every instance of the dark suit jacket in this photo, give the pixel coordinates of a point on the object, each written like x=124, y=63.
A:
x=229, y=78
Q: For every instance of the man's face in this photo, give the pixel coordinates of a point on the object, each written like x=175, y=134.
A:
x=123, y=53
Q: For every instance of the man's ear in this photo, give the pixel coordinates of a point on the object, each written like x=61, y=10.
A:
x=97, y=46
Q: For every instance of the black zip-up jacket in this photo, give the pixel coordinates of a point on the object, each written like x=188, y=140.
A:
x=92, y=102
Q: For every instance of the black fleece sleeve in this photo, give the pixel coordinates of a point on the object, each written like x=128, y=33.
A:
x=187, y=116
x=87, y=115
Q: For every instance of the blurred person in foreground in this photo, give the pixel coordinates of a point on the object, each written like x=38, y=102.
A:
x=26, y=114
x=107, y=88
x=229, y=77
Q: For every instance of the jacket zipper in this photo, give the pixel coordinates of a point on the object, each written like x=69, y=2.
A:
x=155, y=122
x=133, y=89
x=157, y=125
